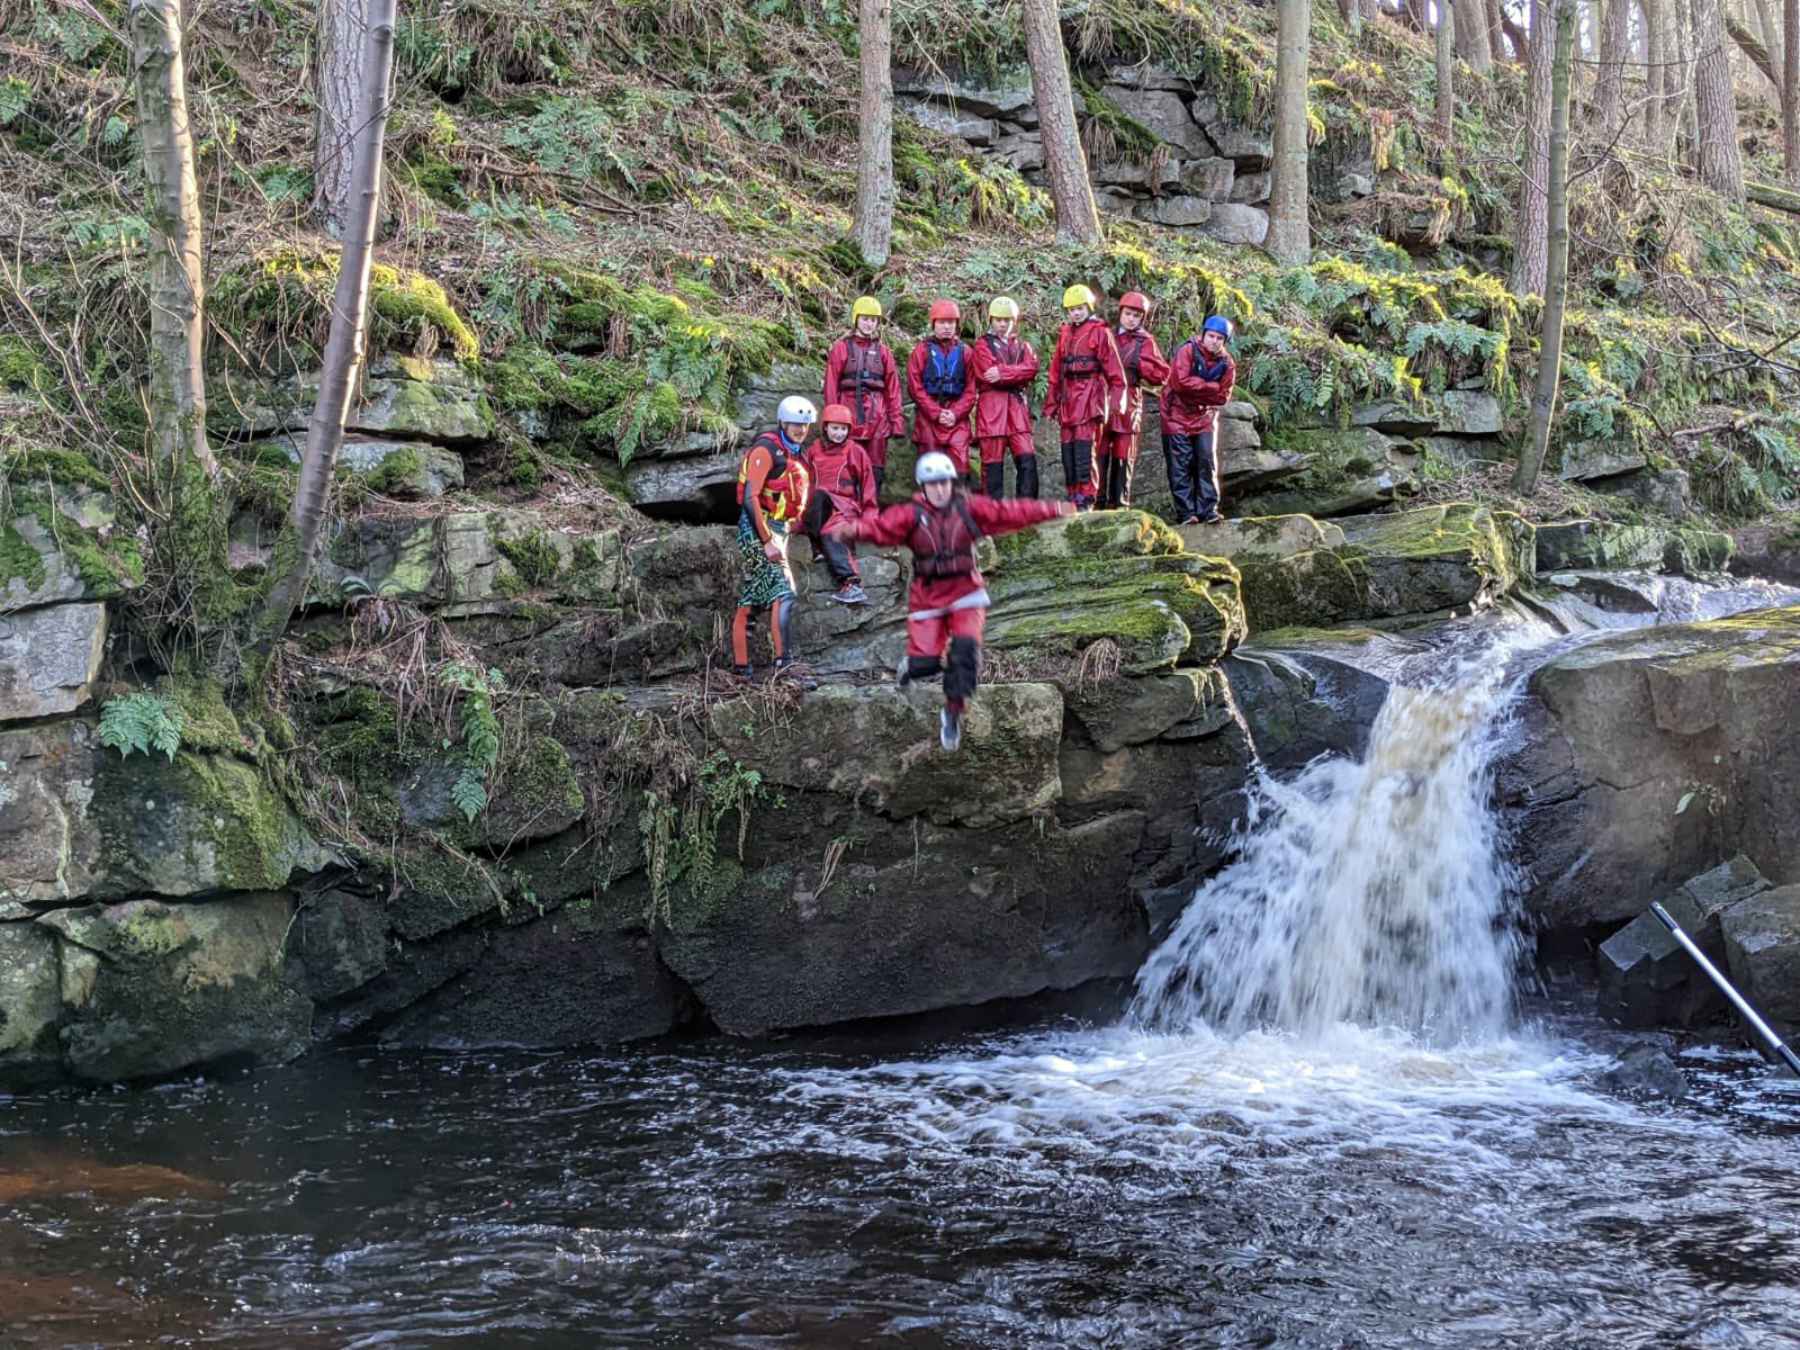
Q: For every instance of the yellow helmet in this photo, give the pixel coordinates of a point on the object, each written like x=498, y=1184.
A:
x=1080, y=295
x=1003, y=307
x=866, y=306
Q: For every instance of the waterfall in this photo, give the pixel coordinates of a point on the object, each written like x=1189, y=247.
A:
x=1373, y=893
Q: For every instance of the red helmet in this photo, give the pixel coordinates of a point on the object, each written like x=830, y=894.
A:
x=837, y=412
x=945, y=309
x=1135, y=300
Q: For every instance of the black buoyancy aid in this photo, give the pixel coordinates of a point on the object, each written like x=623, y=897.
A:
x=943, y=542
x=865, y=368
x=946, y=373
x=1131, y=354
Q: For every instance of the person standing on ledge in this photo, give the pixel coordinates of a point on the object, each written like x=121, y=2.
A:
x=772, y=488
x=1200, y=381
x=861, y=374
x=1086, y=380
x=947, y=606
x=1005, y=367
x=843, y=484
x=937, y=377
x=1144, y=365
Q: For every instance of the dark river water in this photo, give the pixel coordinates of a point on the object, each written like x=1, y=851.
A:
x=1055, y=1186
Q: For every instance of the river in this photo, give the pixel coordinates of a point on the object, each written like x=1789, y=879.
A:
x=1328, y=1118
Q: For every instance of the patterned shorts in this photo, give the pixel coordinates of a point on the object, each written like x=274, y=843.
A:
x=764, y=582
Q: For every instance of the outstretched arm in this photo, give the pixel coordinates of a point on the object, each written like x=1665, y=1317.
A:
x=998, y=516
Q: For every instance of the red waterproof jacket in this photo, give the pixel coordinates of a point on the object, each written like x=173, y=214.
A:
x=1196, y=389
x=1144, y=364
x=1086, y=376
x=940, y=538
x=926, y=405
x=861, y=373
x=1003, y=407
x=844, y=474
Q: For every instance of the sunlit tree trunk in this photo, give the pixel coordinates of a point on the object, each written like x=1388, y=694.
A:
x=874, y=225
x=336, y=65
x=1530, y=256
x=1556, y=286
x=177, y=287
x=1290, y=233
x=345, y=346
x=1065, y=163
x=1721, y=166
x=1446, y=69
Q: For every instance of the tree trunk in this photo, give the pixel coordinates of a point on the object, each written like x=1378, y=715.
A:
x=1065, y=163
x=177, y=287
x=1530, y=256
x=1765, y=23
x=1515, y=35
x=1446, y=69
x=1290, y=235
x=344, y=347
x=1721, y=167
x=1755, y=51
x=339, y=54
x=874, y=227
x=1687, y=136
x=1556, y=287
x=1352, y=14
x=1659, y=76
x=1416, y=15
x=1790, y=92
x=1609, y=91
x=1472, y=37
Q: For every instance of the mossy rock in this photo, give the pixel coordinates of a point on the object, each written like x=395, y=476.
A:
x=1124, y=711
x=48, y=556
x=1347, y=470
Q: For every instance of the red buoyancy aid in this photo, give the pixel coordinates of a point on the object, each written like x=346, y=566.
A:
x=783, y=494
x=943, y=541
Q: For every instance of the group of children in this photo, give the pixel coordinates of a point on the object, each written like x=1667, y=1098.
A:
x=966, y=395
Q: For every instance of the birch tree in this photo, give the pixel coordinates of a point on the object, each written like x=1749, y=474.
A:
x=874, y=225
x=1290, y=234
x=177, y=396
x=1065, y=162
x=1556, y=287
x=345, y=346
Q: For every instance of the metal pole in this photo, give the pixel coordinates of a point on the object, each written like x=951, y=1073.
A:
x=1738, y=1001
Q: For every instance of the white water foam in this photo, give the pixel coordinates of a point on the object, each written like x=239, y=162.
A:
x=1372, y=893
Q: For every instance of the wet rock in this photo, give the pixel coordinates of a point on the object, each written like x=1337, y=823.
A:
x=414, y=970
x=1646, y=757
x=1303, y=694
x=80, y=821
x=1762, y=946
x=1231, y=223
x=1771, y=551
x=1179, y=211
x=608, y=985
x=151, y=988
x=340, y=943
x=907, y=918
x=1121, y=712
x=976, y=130
x=30, y=1002
x=1647, y=979
x=49, y=658
x=536, y=796
x=1617, y=545
x=1646, y=1072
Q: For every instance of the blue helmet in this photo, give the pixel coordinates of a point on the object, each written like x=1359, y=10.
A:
x=1218, y=324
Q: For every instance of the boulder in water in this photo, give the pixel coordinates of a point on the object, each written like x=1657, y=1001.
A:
x=1762, y=945
x=1647, y=978
x=1646, y=1071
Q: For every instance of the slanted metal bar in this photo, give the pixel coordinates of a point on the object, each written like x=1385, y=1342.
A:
x=1738, y=1001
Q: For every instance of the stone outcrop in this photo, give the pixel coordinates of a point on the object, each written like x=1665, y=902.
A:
x=1616, y=545
x=49, y=658
x=1646, y=757
x=1762, y=947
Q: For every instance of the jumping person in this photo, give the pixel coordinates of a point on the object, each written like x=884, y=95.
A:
x=861, y=374
x=1086, y=379
x=937, y=377
x=1144, y=365
x=843, y=484
x=947, y=606
x=1005, y=366
x=1199, y=384
x=772, y=488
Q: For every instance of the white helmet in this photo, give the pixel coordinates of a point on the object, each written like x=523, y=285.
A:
x=934, y=467
x=796, y=411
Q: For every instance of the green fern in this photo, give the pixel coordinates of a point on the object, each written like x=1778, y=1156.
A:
x=141, y=722
x=480, y=730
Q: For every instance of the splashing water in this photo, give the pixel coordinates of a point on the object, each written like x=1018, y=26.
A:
x=1371, y=893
